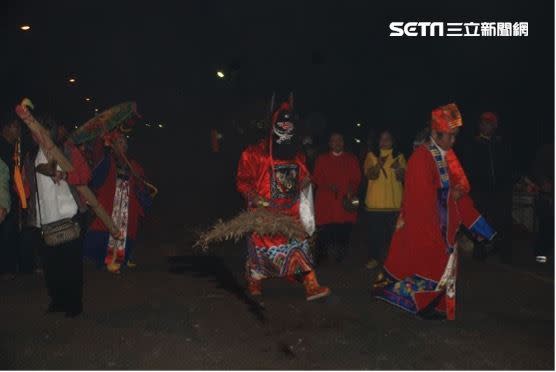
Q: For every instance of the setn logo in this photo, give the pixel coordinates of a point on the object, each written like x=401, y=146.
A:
x=417, y=28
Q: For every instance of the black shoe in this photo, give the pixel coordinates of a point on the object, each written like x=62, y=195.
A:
x=55, y=308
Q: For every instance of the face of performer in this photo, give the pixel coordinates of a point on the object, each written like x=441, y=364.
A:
x=487, y=129
x=284, y=139
x=445, y=140
x=121, y=144
x=386, y=142
x=336, y=143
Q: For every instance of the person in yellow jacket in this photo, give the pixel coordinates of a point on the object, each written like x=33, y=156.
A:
x=384, y=169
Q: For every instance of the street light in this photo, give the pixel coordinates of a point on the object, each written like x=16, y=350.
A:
x=25, y=28
x=358, y=125
x=220, y=74
x=87, y=99
x=160, y=126
x=72, y=80
x=357, y=140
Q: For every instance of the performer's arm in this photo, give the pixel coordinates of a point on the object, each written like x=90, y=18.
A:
x=472, y=219
x=81, y=174
x=400, y=170
x=304, y=177
x=371, y=167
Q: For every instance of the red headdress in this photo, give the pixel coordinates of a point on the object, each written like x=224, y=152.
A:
x=446, y=118
x=489, y=118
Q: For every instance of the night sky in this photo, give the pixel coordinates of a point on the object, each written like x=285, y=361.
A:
x=336, y=56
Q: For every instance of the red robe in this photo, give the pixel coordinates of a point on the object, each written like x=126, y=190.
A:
x=425, y=234
x=343, y=172
x=272, y=256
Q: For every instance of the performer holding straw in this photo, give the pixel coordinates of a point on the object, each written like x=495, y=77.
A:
x=272, y=174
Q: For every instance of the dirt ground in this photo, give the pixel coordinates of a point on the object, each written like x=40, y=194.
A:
x=180, y=309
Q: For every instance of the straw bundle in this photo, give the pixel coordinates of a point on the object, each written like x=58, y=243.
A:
x=261, y=221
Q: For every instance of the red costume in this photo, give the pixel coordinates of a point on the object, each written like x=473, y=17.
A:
x=343, y=172
x=421, y=265
x=124, y=196
x=271, y=175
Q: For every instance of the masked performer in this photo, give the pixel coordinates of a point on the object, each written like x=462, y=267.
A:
x=420, y=270
x=117, y=183
x=272, y=174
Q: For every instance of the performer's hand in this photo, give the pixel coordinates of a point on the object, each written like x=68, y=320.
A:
x=47, y=169
x=259, y=202
x=59, y=176
x=3, y=214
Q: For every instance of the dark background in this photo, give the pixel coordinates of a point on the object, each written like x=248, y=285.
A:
x=336, y=56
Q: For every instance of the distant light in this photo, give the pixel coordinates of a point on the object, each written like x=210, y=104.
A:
x=72, y=80
x=357, y=140
x=87, y=99
x=220, y=74
x=358, y=124
x=160, y=126
x=96, y=110
x=127, y=136
x=148, y=125
x=75, y=126
x=25, y=28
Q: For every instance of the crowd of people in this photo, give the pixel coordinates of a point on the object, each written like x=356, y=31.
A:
x=412, y=215
x=46, y=226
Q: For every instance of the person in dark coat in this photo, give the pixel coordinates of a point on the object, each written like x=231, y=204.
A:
x=488, y=161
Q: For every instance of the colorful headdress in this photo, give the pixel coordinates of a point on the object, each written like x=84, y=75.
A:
x=446, y=118
x=489, y=118
x=281, y=119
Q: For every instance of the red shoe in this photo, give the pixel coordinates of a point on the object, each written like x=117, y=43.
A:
x=254, y=287
x=313, y=289
x=317, y=293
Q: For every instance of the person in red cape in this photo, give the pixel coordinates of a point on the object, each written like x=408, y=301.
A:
x=271, y=174
x=420, y=271
x=121, y=192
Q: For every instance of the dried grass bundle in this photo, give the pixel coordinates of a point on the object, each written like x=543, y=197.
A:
x=261, y=221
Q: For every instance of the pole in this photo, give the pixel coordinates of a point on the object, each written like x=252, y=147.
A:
x=42, y=137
